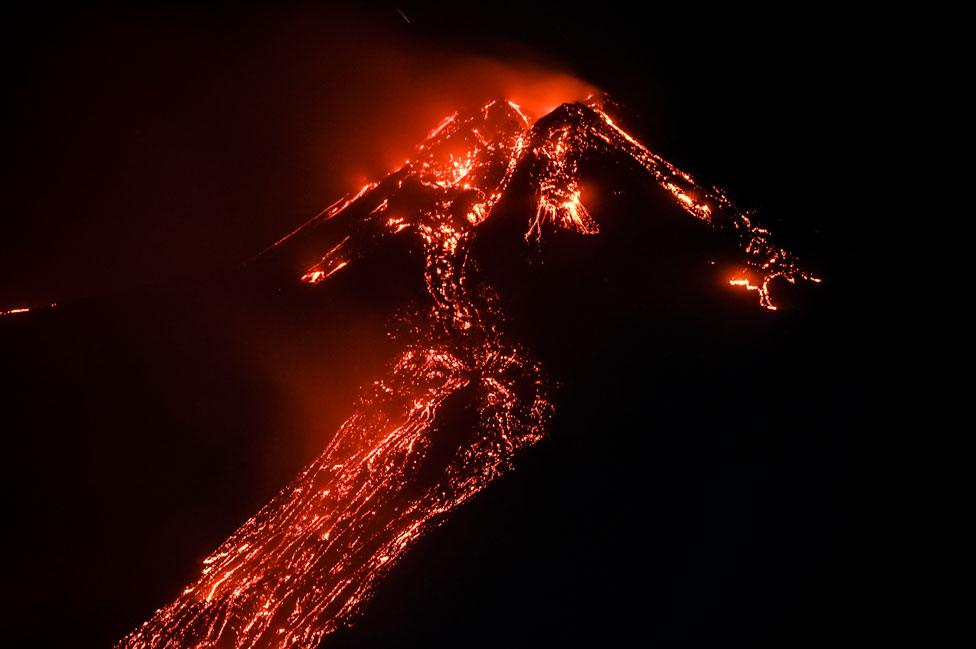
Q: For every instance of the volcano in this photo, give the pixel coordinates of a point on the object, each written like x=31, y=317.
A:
x=490, y=202
x=467, y=165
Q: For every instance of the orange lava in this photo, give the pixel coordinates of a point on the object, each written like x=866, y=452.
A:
x=25, y=309
x=308, y=560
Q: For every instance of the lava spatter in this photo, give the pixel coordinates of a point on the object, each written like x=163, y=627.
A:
x=307, y=561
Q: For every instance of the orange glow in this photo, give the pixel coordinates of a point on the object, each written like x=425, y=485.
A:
x=309, y=559
x=313, y=276
x=763, y=290
x=25, y=309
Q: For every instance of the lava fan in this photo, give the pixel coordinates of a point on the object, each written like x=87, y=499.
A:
x=308, y=561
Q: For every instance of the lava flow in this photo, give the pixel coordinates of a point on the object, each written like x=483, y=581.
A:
x=25, y=309
x=309, y=559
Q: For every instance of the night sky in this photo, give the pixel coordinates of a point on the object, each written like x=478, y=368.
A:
x=717, y=475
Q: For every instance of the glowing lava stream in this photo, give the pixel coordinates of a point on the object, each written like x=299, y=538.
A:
x=309, y=559
x=25, y=309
